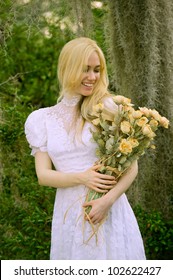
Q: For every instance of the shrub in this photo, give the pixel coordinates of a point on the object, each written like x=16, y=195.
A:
x=26, y=208
x=157, y=234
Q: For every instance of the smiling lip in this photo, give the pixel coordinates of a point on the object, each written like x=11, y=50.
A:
x=89, y=85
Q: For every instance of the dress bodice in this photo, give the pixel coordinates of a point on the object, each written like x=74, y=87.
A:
x=53, y=130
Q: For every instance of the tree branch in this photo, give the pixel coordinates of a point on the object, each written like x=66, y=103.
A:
x=14, y=77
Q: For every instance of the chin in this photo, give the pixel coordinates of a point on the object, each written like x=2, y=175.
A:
x=84, y=92
x=87, y=94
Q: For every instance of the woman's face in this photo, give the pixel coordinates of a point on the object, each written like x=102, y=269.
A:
x=90, y=75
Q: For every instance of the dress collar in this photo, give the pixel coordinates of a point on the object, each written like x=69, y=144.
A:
x=71, y=100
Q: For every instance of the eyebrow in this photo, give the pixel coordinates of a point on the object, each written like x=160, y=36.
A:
x=97, y=66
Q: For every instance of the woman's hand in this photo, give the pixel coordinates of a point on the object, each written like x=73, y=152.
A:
x=96, y=181
x=99, y=211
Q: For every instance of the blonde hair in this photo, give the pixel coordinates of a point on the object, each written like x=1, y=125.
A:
x=72, y=60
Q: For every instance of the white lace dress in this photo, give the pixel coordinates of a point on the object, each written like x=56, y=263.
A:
x=118, y=238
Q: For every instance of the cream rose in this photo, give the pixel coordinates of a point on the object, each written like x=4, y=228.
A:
x=120, y=99
x=155, y=114
x=145, y=111
x=164, y=122
x=131, y=118
x=125, y=127
x=128, y=108
x=137, y=114
x=146, y=130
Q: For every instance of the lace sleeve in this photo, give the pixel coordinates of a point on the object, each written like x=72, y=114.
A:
x=35, y=130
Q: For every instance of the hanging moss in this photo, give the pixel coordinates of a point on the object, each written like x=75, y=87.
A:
x=139, y=38
x=80, y=14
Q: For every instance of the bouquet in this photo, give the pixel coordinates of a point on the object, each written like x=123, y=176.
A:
x=122, y=137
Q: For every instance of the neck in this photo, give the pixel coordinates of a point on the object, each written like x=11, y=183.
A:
x=71, y=99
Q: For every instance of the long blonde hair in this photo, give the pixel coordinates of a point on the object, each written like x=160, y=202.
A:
x=72, y=60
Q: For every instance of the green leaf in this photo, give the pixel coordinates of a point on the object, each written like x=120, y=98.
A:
x=122, y=160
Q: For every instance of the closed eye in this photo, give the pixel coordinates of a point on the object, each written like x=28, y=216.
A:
x=97, y=70
x=88, y=68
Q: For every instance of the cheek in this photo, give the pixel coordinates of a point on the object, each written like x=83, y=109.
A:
x=83, y=77
x=98, y=76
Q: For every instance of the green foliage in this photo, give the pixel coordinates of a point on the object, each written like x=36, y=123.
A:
x=25, y=230
x=28, y=81
x=140, y=64
x=26, y=208
x=157, y=234
x=34, y=76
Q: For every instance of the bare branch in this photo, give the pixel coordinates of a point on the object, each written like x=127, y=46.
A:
x=14, y=77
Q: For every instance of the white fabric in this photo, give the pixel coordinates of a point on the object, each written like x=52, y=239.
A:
x=48, y=130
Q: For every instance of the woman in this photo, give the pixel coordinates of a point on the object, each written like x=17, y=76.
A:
x=60, y=136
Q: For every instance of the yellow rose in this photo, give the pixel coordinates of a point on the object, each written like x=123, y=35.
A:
x=130, y=117
x=120, y=99
x=155, y=114
x=154, y=124
x=145, y=111
x=126, y=101
x=136, y=114
x=164, y=122
x=142, y=121
x=128, y=108
x=146, y=129
x=134, y=142
x=96, y=121
x=125, y=147
x=125, y=127
x=151, y=135
x=97, y=109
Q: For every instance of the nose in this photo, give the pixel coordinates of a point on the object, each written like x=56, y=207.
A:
x=91, y=75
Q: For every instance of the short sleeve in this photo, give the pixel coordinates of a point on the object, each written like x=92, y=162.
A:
x=35, y=130
x=110, y=104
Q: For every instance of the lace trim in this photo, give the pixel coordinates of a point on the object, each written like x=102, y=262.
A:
x=71, y=101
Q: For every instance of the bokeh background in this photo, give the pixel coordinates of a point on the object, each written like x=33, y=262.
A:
x=137, y=39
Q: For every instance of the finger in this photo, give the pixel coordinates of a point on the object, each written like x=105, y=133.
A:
x=96, y=167
x=100, y=190
x=106, y=177
x=95, y=220
x=105, y=187
x=87, y=204
x=106, y=182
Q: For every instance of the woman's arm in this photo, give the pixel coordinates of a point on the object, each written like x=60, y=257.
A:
x=123, y=184
x=90, y=178
x=101, y=206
